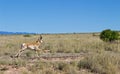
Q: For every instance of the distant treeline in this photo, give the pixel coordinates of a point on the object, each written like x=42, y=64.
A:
x=17, y=33
x=10, y=33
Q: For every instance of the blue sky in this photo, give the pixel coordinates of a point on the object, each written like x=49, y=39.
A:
x=59, y=16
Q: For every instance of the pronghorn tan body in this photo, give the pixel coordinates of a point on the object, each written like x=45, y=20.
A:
x=32, y=46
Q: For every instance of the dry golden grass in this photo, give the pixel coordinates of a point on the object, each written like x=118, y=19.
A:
x=103, y=63
x=103, y=57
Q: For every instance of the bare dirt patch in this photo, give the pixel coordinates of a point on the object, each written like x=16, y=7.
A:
x=47, y=57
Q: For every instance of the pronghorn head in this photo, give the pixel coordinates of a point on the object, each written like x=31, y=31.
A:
x=40, y=39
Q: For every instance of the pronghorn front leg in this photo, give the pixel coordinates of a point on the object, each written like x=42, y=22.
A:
x=38, y=51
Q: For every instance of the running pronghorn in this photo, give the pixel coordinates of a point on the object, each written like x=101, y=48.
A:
x=32, y=46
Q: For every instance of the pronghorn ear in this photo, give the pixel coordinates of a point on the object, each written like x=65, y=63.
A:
x=40, y=37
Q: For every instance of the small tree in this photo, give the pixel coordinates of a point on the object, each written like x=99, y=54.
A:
x=109, y=36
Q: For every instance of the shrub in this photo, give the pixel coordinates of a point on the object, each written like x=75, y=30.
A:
x=27, y=35
x=61, y=66
x=19, y=62
x=109, y=36
x=29, y=54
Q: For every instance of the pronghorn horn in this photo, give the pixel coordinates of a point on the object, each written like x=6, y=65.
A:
x=40, y=37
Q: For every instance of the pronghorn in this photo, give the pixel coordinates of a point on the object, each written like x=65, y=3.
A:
x=32, y=46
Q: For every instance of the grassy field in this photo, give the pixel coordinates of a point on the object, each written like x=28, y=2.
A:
x=100, y=57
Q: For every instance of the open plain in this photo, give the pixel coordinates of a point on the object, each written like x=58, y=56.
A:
x=77, y=53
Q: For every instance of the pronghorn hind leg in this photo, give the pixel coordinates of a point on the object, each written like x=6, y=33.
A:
x=19, y=53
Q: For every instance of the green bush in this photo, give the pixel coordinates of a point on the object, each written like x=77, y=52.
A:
x=109, y=35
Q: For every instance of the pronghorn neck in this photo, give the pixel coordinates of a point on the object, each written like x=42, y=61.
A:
x=39, y=41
